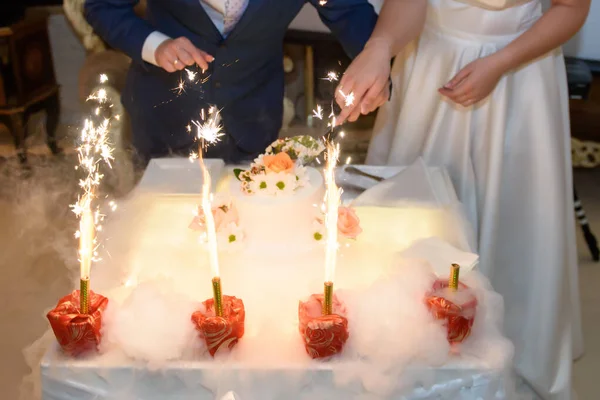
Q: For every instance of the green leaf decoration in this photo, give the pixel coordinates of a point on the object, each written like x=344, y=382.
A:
x=318, y=236
x=237, y=172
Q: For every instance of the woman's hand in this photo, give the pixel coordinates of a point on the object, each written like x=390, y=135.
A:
x=474, y=82
x=176, y=54
x=365, y=82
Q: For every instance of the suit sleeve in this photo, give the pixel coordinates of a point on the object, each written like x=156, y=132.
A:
x=350, y=21
x=116, y=22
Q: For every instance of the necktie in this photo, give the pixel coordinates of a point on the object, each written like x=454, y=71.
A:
x=234, y=9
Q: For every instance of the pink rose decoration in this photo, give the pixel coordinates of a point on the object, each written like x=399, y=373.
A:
x=348, y=223
x=223, y=215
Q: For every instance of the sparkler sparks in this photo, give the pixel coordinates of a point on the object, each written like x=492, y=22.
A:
x=180, y=87
x=332, y=202
x=332, y=76
x=209, y=130
x=348, y=98
x=93, y=150
x=191, y=78
x=191, y=75
x=318, y=113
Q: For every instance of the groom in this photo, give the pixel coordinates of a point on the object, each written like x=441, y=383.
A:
x=240, y=45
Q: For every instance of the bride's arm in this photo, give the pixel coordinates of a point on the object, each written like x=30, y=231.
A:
x=478, y=79
x=399, y=22
x=561, y=22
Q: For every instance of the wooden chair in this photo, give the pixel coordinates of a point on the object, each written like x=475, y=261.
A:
x=27, y=81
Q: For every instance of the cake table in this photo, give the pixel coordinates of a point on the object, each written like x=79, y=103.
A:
x=260, y=368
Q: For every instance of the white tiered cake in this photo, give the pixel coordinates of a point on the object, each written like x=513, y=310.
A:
x=266, y=218
x=274, y=205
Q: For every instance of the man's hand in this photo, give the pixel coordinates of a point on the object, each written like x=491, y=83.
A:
x=176, y=54
x=365, y=82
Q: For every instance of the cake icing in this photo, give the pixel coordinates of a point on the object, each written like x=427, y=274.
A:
x=280, y=220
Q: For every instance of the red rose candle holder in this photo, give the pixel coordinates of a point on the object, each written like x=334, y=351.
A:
x=456, y=304
x=324, y=335
x=78, y=332
x=220, y=331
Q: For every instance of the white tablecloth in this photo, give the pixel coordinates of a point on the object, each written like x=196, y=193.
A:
x=97, y=377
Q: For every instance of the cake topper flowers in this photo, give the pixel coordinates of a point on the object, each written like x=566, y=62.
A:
x=280, y=170
x=226, y=219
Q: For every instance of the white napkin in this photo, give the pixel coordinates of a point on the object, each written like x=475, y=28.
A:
x=177, y=175
x=440, y=255
x=412, y=185
x=230, y=396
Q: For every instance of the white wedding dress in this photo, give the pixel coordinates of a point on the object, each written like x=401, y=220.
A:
x=509, y=159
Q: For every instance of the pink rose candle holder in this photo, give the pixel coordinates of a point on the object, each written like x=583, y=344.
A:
x=220, y=332
x=456, y=304
x=323, y=335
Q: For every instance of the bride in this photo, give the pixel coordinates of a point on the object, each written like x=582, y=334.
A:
x=482, y=91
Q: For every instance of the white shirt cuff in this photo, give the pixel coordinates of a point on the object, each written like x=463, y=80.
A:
x=151, y=43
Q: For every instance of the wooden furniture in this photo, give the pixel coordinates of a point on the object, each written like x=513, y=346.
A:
x=27, y=81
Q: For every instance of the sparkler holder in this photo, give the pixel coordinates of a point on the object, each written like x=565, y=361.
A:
x=324, y=335
x=78, y=333
x=457, y=308
x=220, y=332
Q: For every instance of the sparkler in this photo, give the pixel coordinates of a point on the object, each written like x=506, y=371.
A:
x=454, y=272
x=93, y=150
x=332, y=201
x=209, y=132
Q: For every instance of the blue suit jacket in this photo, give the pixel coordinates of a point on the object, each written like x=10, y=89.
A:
x=246, y=79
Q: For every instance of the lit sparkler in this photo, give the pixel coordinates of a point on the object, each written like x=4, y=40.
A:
x=332, y=202
x=93, y=150
x=209, y=132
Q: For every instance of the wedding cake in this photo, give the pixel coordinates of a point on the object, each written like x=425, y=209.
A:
x=277, y=202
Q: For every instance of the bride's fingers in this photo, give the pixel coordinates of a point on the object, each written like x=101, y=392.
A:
x=371, y=99
x=354, y=114
x=345, y=113
x=458, y=78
